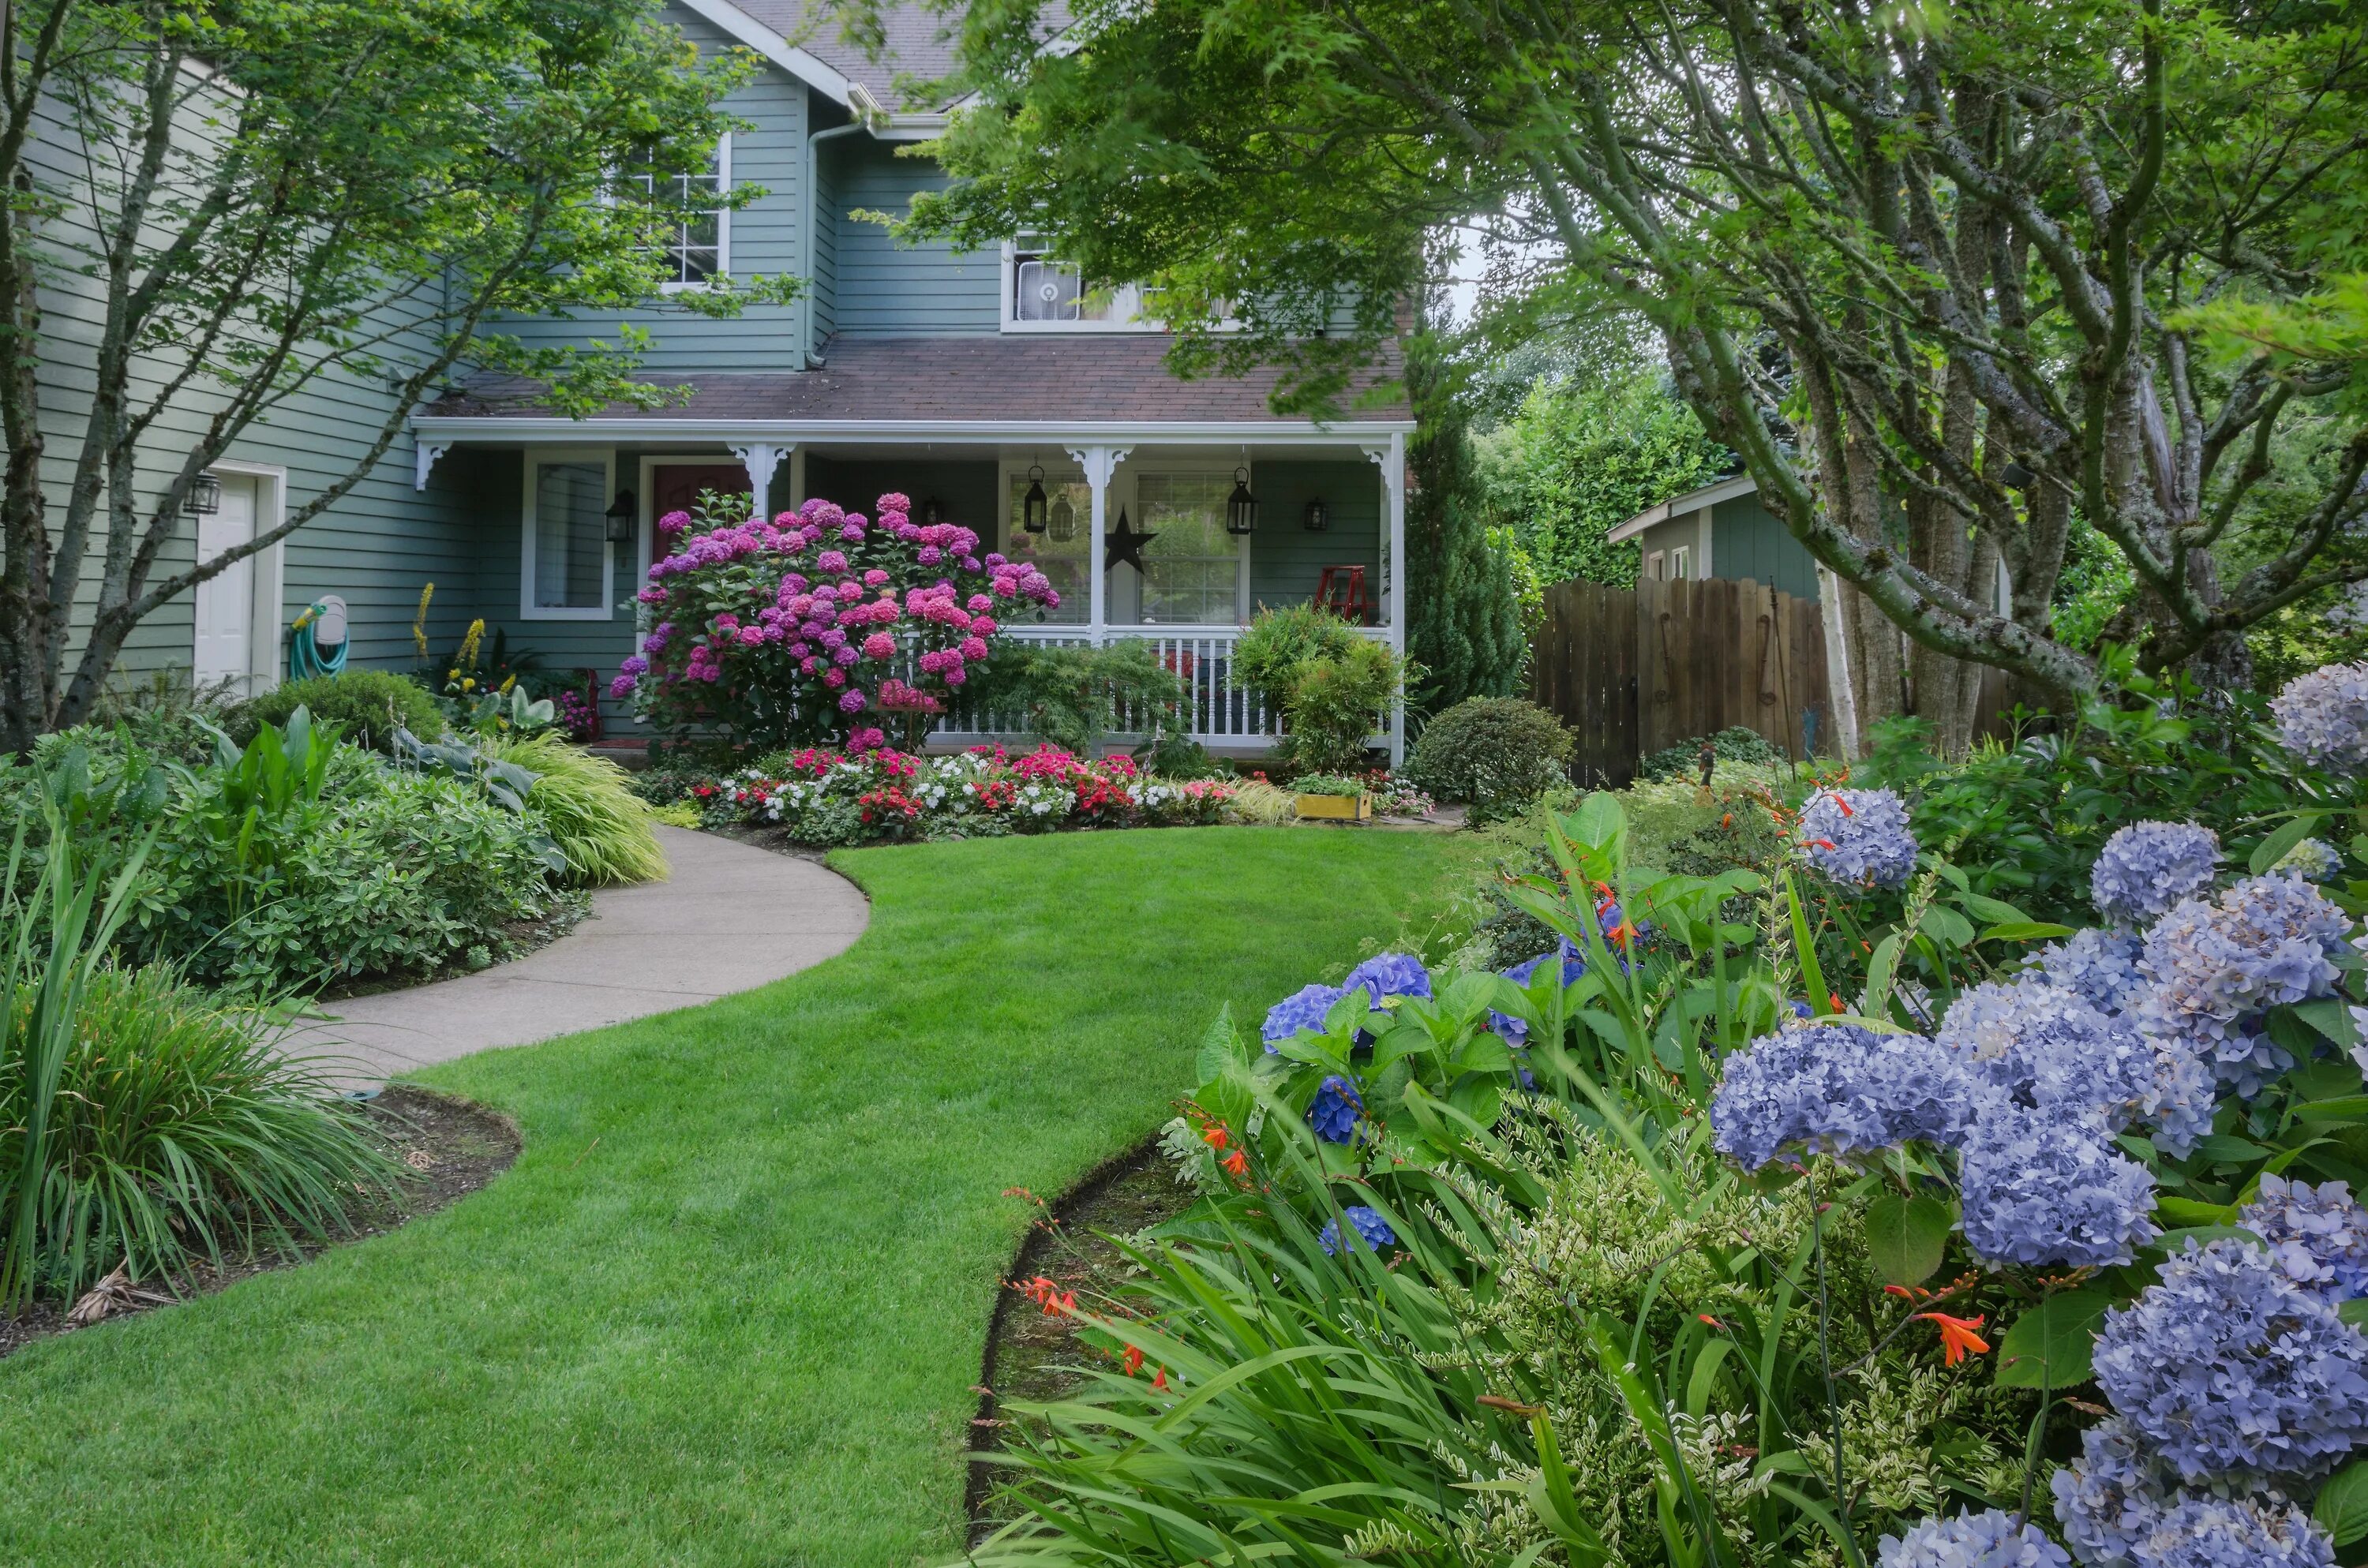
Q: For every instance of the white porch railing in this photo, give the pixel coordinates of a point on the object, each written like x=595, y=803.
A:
x=1221, y=714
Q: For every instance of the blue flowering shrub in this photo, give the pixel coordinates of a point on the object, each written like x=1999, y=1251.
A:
x=1837, y=1214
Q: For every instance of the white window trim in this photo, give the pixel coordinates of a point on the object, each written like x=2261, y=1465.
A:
x=1150, y=462
x=1656, y=565
x=1681, y=559
x=266, y=657
x=722, y=223
x=528, y=609
x=1127, y=295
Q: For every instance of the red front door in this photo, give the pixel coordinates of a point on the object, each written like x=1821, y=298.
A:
x=675, y=487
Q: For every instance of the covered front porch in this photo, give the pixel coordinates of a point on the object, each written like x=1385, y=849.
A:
x=1131, y=522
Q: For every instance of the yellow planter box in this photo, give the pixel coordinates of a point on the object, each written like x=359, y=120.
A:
x=1336, y=807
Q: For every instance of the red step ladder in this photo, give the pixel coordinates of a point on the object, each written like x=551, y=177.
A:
x=1341, y=590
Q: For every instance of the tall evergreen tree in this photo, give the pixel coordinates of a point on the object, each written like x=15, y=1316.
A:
x=1463, y=621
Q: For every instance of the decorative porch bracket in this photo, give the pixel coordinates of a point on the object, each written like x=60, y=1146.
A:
x=423, y=459
x=761, y=460
x=1099, y=463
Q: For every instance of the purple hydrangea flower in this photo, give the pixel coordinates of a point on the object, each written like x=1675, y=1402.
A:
x=1841, y=1089
x=2318, y=1236
x=2044, y=1045
x=1859, y=836
x=1334, y=1111
x=2045, y=1187
x=1390, y=974
x=2150, y=866
x=2121, y=1509
x=1303, y=1009
x=2323, y=717
x=1366, y=1228
x=2217, y=965
x=2098, y=967
x=2228, y=1370
x=1988, y=1539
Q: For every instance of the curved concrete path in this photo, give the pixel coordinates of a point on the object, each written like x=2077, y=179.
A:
x=730, y=918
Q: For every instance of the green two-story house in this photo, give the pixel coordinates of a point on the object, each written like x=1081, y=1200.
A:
x=963, y=379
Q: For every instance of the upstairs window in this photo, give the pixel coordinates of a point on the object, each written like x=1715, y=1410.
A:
x=1041, y=294
x=696, y=249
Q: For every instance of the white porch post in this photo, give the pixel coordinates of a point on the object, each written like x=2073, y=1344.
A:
x=760, y=458
x=1391, y=460
x=1098, y=462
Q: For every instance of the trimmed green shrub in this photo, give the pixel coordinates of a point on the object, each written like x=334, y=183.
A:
x=582, y=802
x=1498, y=753
x=1736, y=743
x=1074, y=697
x=1280, y=643
x=1336, y=704
x=367, y=706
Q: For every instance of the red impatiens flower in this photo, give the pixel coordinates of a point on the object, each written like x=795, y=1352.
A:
x=1958, y=1336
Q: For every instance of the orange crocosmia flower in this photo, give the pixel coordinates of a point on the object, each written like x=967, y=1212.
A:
x=1726, y=821
x=1958, y=1336
x=1159, y=1380
x=1710, y=1320
x=1214, y=1135
x=1822, y=843
x=1834, y=1000
x=1237, y=1163
x=1845, y=805
x=1133, y=1359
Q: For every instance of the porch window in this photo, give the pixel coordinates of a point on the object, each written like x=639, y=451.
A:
x=1062, y=561
x=1193, y=570
x=697, y=245
x=565, y=539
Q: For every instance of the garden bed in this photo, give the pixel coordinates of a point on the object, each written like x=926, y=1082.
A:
x=1030, y=1354
x=449, y=1148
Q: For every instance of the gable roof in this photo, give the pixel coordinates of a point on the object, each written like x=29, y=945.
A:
x=828, y=61
x=1679, y=506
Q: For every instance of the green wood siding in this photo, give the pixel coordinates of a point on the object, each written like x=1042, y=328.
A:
x=1746, y=540
x=892, y=290
x=1286, y=560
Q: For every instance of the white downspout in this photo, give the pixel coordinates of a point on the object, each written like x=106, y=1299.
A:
x=807, y=358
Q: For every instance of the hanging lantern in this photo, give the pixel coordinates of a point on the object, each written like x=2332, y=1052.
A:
x=1034, y=513
x=1241, y=507
x=204, y=498
x=1317, y=519
x=622, y=519
x=1063, y=527
x=932, y=510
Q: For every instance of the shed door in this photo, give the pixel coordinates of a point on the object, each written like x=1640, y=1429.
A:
x=225, y=602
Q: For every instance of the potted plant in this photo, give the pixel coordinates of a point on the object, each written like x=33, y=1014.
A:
x=1331, y=796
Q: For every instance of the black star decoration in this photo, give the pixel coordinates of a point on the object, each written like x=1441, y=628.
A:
x=1123, y=543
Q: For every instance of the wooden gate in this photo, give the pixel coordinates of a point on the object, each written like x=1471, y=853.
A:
x=1632, y=671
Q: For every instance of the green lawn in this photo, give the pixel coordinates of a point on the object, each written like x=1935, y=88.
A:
x=728, y=1307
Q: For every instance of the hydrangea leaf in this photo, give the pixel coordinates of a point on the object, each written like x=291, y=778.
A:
x=1947, y=926
x=2025, y=931
x=1906, y=1237
x=2341, y=1509
x=2354, y=1312
x=2329, y=1016
x=2051, y=1345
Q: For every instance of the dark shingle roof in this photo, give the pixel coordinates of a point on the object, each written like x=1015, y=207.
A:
x=914, y=35
x=1091, y=379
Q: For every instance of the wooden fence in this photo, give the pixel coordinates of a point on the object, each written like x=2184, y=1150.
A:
x=1631, y=671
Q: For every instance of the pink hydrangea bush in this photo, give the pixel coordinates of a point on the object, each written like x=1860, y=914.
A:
x=789, y=631
x=823, y=796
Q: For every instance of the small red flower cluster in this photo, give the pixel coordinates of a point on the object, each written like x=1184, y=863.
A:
x=887, y=803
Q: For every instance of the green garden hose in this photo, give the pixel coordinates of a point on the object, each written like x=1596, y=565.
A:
x=317, y=644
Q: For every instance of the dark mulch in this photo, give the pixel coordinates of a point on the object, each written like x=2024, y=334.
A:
x=448, y=1148
x=1032, y=1355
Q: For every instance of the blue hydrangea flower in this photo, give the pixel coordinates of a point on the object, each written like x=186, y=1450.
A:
x=2312, y=859
x=2317, y=1236
x=1512, y=1030
x=2111, y=1497
x=1366, y=1228
x=1334, y=1111
x=2150, y=866
x=2323, y=717
x=1303, y=1009
x=1390, y=974
x=1860, y=838
x=1841, y=1089
x=2044, y=1187
x=2186, y=1092
x=2228, y=1370
x=2263, y=1531
x=2044, y=1045
x=2100, y=967
x=2217, y=965
x=1987, y=1540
